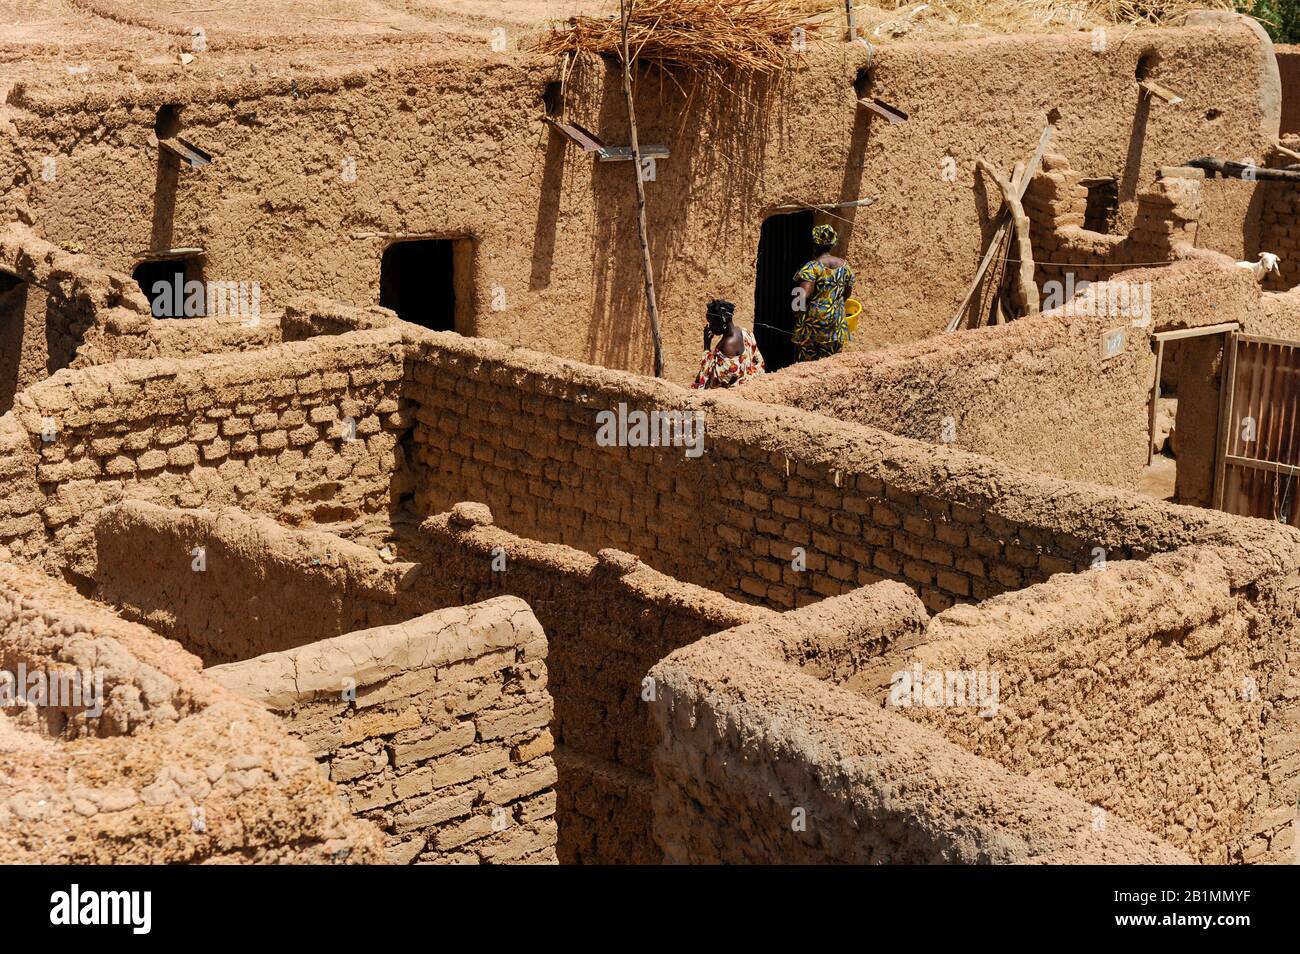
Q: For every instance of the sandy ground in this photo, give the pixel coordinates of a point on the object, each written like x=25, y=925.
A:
x=1157, y=480
x=76, y=41
x=40, y=40
x=246, y=22
x=72, y=42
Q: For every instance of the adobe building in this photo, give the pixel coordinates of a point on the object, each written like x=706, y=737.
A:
x=330, y=543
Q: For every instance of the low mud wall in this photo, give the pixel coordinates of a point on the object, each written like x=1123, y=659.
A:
x=1041, y=393
x=1154, y=690
x=172, y=768
x=435, y=729
x=762, y=760
x=796, y=506
x=307, y=431
x=51, y=302
x=771, y=505
x=608, y=619
x=229, y=586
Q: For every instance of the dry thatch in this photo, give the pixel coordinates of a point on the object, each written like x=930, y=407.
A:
x=760, y=36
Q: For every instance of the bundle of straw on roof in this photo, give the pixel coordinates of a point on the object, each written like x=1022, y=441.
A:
x=760, y=36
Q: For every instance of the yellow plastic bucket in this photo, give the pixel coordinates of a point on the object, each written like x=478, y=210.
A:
x=852, y=309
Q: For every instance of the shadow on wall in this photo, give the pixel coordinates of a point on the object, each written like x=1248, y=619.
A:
x=1147, y=67
x=844, y=220
x=13, y=323
x=706, y=146
x=166, y=179
x=38, y=336
x=548, y=208
x=164, y=200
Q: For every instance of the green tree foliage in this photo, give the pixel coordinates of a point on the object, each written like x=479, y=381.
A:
x=1281, y=18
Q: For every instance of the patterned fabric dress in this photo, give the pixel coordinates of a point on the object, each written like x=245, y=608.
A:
x=821, y=330
x=718, y=370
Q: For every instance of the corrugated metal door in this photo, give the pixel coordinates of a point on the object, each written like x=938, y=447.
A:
x=1259, y=459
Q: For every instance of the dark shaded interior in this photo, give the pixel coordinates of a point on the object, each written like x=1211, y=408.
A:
x=175, y=274
x=784, y=246
x=417, y=280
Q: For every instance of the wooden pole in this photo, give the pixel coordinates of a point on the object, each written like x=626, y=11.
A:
x=1289, y=153
x=1240, y=170
x=1002, y=295
x=1155, y=401
x=643, y=234
x=853, y=30
x=1028, y=290
x=1004, y=223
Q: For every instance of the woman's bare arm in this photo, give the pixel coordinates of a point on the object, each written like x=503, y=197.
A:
x=807, y=289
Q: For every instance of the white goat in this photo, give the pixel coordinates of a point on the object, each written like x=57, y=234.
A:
x=1267, y=263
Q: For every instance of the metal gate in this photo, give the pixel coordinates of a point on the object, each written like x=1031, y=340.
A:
x=1258, y=462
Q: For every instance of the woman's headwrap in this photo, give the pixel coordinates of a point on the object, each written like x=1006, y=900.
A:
x=824, y=236
x=721, y=309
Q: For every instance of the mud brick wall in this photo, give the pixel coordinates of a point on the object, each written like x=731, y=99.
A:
x=608, y=620
x=262, y=430
x=80, y=314
x=175, y=770
x=1279, y=315
x=444, y=744
x=762, y=761
x=517, y=430
x=1035, y=393
x=188, y=337
x=1280, y=228
x=534, y=240
x=1164, y=224
x=1140, y=689
x=37, y=337
x=306, y=316
x=1270, y=824
x=1056, y=202
x=264, y=588
x=64, y=304
x=40, y=332
x=177, y=338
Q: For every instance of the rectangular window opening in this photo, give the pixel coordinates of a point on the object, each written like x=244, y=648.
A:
x=428, y=282
x=1102, y=211
x=173, y=286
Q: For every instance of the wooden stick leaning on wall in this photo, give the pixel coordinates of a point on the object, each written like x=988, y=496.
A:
x=1003, y=296
x=1004, y=223
x=652, y=304
x=1020, y=223
x=1283, y=150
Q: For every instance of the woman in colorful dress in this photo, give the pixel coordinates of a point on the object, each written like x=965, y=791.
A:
x=734, y=358
x=826, y=283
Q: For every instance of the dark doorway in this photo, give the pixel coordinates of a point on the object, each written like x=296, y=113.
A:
x=417, y=279
x=165, y=282
x=13, y=330
x=1102, y=212
x=784, y=247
